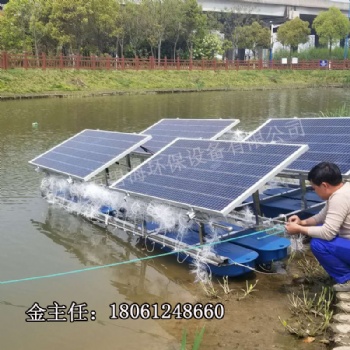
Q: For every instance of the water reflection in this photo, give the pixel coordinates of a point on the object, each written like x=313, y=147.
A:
x=144, y=281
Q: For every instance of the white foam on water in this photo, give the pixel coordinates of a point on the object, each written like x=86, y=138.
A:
x=88, y=198
x=234, y=135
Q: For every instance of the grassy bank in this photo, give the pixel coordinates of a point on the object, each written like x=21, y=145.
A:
x=24, y=82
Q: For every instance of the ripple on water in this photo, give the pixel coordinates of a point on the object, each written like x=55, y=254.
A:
x=36, y=240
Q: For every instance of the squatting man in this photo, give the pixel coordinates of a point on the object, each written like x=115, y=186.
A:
x=330, y=228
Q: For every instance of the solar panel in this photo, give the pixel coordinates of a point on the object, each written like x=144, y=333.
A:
x=86, y=154
x=167, y=130
x=328, y=140
x=207, y=175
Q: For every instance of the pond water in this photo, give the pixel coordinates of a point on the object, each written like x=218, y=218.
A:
x=39, y=239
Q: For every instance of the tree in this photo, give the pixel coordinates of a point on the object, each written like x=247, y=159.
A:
x=40, y=11
x=176, y=25
x=208, y=47
x=133, y=24
x=102, y=25
x=293, y=33
x=158, y=16
x=195, y=23
x=253, y=36
x=14, y=26
x=330, y=26
x=120, y=30
x=23, y=26
x=237, y=16
x=69, y=23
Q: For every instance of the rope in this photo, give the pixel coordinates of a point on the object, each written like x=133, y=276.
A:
x=271, y=234
x=92, y=268
x=257, y=271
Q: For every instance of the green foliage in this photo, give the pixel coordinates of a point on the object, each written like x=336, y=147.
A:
x=69, y=23
x=321, y=53
x=159, y=27
x=343, y=111
x=314, y=53
x=104, y=26
x=183, y=340
x=239, y=15
x=249, y=289
x=197, y=339
x=252, y=36
x=14, y=26
x=293, y=33
x=176, y=27
x=195, y=23
x=330, y=26
x=131, y=22
x=208, y=47
x=51, y=25
x=311, y=313
x=163, y=19
x=79, y=25
x=156, y=21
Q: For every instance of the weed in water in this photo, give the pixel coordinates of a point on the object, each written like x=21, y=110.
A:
x=343, y=111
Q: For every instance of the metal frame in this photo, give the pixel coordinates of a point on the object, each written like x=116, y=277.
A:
x=106, y=165
x=314, y=206
x=157, y=237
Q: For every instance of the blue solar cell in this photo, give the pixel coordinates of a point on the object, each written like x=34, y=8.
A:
x=167, y=130
x=89, y=152
x=214, y=176
x=328, y=140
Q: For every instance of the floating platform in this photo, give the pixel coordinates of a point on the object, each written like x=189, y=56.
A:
x=283, y=202
x=269, y=247
x=203, y=177
x=238, y=260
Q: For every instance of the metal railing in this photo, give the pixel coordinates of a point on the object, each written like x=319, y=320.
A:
x=27, y=61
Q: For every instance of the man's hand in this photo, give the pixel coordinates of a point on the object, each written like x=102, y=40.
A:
x=294, y=219
x=293, y=228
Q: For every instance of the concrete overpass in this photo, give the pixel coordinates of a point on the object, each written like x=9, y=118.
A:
x=275, y=8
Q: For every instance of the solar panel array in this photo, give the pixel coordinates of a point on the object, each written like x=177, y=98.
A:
x=88, y=153
x=207, y=175
x=167, y=130
x=328, y=140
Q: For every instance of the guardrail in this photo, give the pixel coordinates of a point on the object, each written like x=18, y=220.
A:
x=26, y=61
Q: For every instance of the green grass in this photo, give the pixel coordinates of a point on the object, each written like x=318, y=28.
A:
x=20, y=81
x=342, y=111
x=197, y=339
x=314, y=53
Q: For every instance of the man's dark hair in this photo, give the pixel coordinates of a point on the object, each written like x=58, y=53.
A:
x=325, y=172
